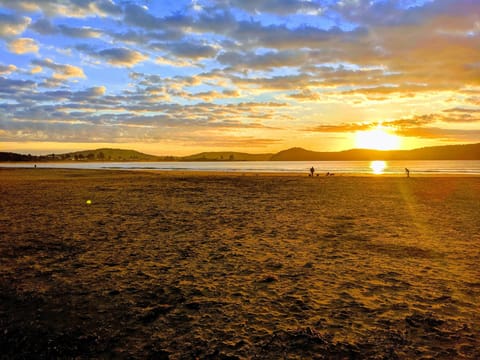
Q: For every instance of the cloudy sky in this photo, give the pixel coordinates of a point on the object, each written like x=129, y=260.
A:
x=176, y=77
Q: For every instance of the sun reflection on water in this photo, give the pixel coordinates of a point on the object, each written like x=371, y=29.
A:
x=378, y=166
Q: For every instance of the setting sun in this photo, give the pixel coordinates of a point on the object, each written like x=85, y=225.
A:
x=379, y=139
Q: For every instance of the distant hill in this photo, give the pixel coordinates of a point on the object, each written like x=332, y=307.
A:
x=299, y=154
x=104, y=154
x=226, y=156
x=448, y=152
x=107, y=154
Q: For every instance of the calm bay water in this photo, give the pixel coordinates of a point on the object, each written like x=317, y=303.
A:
x=397, y=167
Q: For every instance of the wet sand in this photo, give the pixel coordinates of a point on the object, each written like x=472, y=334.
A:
x=222, y=266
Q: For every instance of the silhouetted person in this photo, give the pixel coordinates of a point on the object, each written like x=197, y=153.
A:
x=407, y=172
x=312, y=170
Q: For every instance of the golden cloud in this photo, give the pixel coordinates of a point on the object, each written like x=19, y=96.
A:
x=23, y=46
x=11, y=26
x=68, y=71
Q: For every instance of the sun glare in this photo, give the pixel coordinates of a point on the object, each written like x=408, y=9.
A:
x=378, y=166
x=378, y=139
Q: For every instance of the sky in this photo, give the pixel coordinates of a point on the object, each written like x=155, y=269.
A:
x=178, y=77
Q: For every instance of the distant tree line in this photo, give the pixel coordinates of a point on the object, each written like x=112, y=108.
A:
x=9, y=156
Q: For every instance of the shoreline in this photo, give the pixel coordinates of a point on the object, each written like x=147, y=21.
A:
x=200, y=173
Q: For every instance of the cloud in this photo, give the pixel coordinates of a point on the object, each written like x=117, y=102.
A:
x=191, y=50
x=93, y=92
x=279, y=7
x=221, y=141
x=462, y=110
x=91, y=132
x=441, y=133
x=414, y=121
x=12, y=25
x=64, y=115
x=173, y=62
x=255, y=34
x=461, y=115
x=249, y=33
x=76, y=32
x=268, y=60
x=23, y=46
x=69, y=71
x=286, y=82
x=107, y=7
x=348, y=128
x=7, y=69
x=43, y=27
x=390, y=13
x=305, y=95
x=36, y=69
x=418, y=126
x=11, y=87
x=66, y=8
x=139, y=16
x=447, y=116
x=61, y=72
x=209, y=22
x=214, y=95
x=121, y=56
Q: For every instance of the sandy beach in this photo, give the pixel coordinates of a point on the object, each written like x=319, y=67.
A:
x=222, y=266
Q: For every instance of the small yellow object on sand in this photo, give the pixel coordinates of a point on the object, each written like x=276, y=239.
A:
x=89, y=202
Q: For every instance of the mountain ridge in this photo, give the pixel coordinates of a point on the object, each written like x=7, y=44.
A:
x=444, y=152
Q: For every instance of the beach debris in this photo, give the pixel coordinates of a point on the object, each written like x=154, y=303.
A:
x=89, y=202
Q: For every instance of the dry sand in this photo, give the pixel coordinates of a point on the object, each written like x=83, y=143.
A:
x=184, y=266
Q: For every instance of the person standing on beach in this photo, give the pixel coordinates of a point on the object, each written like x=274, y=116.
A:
x=312, y=170
x=407, y=172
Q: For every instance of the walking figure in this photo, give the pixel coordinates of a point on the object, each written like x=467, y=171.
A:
x=312, y=170
x=407, y=172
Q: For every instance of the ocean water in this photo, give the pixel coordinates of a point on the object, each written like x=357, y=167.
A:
x=396, y=167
